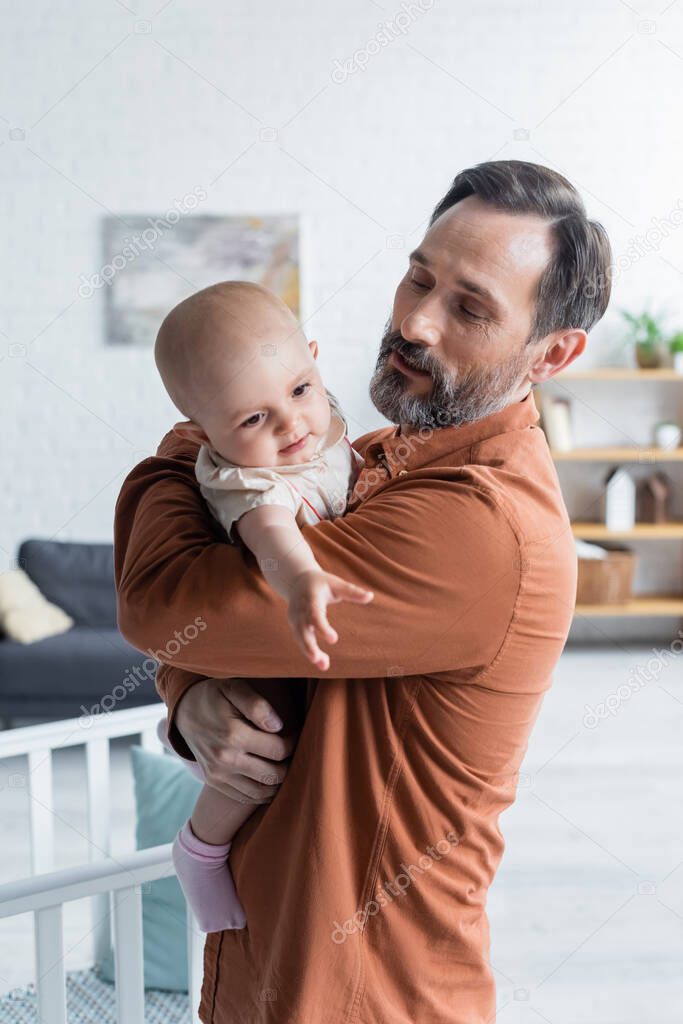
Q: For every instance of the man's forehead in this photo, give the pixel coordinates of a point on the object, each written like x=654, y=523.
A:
x=505, y=243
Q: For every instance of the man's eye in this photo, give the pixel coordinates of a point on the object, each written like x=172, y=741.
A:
x=253, y=421
x=471, y=315
x=418, y=284
x=301, y=389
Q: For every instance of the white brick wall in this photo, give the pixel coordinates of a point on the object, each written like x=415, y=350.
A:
x=128, y=112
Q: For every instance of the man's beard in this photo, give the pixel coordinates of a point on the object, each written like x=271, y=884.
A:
x=470, y=395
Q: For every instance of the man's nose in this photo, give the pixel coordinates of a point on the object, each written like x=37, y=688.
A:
x=420, y=327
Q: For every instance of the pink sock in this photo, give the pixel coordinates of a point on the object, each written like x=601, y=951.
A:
x=192, y=766
x=205, y=878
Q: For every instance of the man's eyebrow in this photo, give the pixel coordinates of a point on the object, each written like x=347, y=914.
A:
x=419, y=257
x=469, y=286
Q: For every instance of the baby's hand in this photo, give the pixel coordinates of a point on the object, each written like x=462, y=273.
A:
x=311, y=593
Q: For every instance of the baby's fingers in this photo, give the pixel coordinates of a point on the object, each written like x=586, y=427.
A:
x=309, y=642
x=321, y=622
x=344, y=591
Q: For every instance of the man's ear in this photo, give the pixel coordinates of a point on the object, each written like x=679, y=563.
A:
x=559, y=352
x=313, y=346
x=190, y=431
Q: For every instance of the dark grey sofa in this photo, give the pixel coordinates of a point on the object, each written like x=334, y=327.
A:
x=90, y=666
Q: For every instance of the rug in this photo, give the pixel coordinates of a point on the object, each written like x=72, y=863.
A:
x=90, y=1000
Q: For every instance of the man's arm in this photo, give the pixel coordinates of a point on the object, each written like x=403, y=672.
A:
x=439, y=554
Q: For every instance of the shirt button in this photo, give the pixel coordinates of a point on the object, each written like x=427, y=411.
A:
x=403, y=472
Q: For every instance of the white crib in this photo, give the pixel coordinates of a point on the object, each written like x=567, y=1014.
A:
x=114, y=885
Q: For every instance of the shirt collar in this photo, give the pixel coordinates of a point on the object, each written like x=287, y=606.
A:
x=425, y=446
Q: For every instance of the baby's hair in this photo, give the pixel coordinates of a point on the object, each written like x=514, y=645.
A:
x=222, y=314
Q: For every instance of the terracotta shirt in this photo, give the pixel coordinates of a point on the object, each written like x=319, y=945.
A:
x=364, y=882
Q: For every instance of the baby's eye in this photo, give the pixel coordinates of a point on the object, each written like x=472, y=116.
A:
x=253, y=421
x=301, y=389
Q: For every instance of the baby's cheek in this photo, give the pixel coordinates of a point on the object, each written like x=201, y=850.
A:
x=247, y=453
x=323, y=416
x=259, y=452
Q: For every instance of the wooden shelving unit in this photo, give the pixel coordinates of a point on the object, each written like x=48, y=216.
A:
x=641, y=531
x=633, y=454
x=621, y=373
x=645, y=605
x=663, y=605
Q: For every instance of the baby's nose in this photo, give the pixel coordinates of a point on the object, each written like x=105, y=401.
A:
x=288, y=423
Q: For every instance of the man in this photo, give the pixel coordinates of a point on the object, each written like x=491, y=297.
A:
x=364, y=883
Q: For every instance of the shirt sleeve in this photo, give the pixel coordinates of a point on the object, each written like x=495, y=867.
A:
x=440, y=555
x=230, y=504
x=231, y=491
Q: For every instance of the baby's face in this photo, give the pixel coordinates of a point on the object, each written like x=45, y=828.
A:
x=272, y=409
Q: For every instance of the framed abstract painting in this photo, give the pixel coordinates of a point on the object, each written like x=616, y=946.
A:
x=152, y=263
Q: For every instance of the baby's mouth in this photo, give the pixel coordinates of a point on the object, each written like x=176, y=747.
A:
x=296, y=446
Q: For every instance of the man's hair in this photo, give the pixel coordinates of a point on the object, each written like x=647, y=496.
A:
x=575, y=286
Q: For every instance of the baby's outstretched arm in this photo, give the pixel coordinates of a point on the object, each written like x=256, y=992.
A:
x=288, y=564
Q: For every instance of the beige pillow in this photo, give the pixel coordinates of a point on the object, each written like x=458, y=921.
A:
x=25, y=615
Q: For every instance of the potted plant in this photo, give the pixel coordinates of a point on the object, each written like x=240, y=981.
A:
x=676, y=349
x=647, y=337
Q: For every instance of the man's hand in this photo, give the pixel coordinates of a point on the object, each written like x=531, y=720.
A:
x=309, y=596
x=231, y=730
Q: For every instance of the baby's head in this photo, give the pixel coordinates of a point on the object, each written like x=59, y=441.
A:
x=235, y=361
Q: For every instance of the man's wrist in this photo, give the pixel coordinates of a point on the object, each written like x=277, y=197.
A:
x=175, y=736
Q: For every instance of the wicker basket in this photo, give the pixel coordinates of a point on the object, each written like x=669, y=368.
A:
x=606, y=580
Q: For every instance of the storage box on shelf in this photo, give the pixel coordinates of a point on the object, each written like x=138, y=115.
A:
x=606, y=580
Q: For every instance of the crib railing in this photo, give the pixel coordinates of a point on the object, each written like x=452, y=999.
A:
x=107, y=881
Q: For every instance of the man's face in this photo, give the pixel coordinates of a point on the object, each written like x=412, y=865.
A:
x=455, y=349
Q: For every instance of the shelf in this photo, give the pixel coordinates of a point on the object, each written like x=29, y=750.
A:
x=645, y=605
x=664, y=605
x=641, y=531
x=619, y=455
x=620, y=373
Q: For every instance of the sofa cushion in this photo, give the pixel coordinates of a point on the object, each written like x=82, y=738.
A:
x=94, y=668
x=79, y=578
x=25, y=615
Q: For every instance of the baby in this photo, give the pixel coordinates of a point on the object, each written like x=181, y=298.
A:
x=274, y=455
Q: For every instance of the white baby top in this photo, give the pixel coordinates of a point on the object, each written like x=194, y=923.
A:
x=314, y=490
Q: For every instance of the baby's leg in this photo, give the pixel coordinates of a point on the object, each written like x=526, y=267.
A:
x=202, y=847
x=200, y=853
x=200, y=856
x=217, y=818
